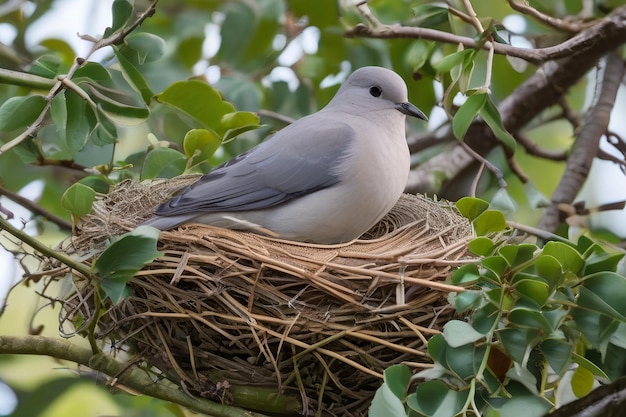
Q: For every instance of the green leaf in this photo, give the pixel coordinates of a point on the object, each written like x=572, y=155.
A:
x=200, y=101
x=522, y=375
x=200, y=144
x=448, y=62
x=489, y=221
x=464, y=360
x=471, y=207
x=496, y=264
x=465, y=275
x=525, y=405
x=430, y=15
x=458, y=333
x=115, y=107
x=481, y=246
x=599, y=262
x=134, y=77
x=466, y=113
x=19, y=112
x=127, y=255
x=582, y=382
x=590, y=366
x=604, y=292
x=78, y=199
x=549, y=268
x=385, y=403
x=558, y=353
x=92, y=71
x=398, y=377
x=238, y=123
x=490, y=114
x=434, y=398
x=516, y=255
x=163, y=163
x=534, y=289
x=518, y=341
x=147, y=46
x=122, y=10
x=465, y=300
x=528, y=318
x=567, y=256
x=48, y=66
x=485, y=318
x=437, y=348
x=104, y=132
x=99, y=183
x=77, y=127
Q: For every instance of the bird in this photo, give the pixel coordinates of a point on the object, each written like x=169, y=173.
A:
x=326, y=178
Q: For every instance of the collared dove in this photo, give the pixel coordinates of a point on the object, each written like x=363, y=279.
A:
x=326, y=178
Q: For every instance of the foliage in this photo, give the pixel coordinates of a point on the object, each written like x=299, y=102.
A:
x=532, y=316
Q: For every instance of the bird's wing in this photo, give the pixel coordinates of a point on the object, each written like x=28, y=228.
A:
x=300, y=159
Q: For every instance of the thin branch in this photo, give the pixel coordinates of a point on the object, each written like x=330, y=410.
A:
x=533, y=149
x=540, y=233
x=611, y=27
x=44, y=249
x=485, y=162
x=587, y=142
x=553, y=22
x=59, y=84
x=30, y=205
x=367, y=13
x=119, y=373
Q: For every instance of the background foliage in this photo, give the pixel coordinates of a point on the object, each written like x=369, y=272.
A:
x=136, y=109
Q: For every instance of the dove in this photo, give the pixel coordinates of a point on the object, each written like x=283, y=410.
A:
x=327, y=178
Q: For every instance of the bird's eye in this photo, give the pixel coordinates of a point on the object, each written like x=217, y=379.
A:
x=376, y=91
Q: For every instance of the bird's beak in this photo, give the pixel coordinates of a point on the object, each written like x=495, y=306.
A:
x=410, y=110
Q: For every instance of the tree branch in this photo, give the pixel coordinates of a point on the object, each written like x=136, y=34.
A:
x=25, y=202
x=59, y=84
x=44, y=249
x=120, y=373
x=553, y=22
x=611, y=28
x=543, y=89
x=587, y=142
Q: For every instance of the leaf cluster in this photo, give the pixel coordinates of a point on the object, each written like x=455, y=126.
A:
x=538, y=327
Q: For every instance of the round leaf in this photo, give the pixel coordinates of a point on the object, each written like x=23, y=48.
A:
x=78, y=199
x=458, y=333
x=471, y=207
x=200, y=144
x=489, y=221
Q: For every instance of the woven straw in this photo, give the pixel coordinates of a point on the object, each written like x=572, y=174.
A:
x=223, y=308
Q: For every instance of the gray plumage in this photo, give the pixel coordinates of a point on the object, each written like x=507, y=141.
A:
x=326, y=178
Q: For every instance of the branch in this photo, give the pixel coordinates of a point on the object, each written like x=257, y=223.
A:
x=543, y=89
x=553, y=22
x=535, y=150
x=44, y=249
x=25, y=202
x=59, y=84
x=120, y=373
x=611, y=29
x=587, y=143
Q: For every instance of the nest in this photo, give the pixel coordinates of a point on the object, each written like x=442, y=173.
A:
x=223, y=309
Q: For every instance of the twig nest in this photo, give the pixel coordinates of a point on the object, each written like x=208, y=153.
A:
x=223, y=308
